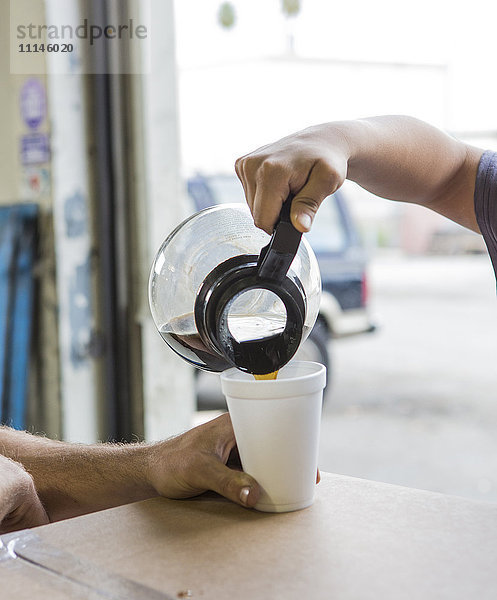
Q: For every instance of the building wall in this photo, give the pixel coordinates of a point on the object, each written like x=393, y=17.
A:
x=22, y=183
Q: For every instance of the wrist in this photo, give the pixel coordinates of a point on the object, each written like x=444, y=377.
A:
x=133, y=469
x=355, y=139
x=155, y=461
x=337, y=137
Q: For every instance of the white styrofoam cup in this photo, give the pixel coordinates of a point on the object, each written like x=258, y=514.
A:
x=276, y=426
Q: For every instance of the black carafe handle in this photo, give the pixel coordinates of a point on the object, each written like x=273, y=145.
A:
x=275, y=258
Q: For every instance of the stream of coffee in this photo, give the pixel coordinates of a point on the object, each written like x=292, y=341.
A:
x=267, y=376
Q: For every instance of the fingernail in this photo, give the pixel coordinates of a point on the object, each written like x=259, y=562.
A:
x=244, y=494
x=305, y=221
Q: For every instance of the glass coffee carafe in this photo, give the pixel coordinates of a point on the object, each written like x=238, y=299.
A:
x=225, y=294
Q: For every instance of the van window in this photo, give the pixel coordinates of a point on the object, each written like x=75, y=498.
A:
x=226, y=189
x=328, y=232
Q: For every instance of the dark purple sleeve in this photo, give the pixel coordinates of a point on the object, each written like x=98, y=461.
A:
x=486, y=202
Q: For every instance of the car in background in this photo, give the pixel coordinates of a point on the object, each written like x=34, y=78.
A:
x=342, y=261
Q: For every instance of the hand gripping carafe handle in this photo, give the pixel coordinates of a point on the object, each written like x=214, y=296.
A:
x=275, y=258
x=243, y=273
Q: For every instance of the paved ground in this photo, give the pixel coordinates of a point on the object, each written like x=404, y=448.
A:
x=416, y=402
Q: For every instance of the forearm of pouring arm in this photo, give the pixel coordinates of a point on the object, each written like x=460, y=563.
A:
x=402, y=158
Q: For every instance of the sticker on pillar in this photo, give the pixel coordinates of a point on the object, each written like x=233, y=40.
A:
x=35, y=182
x=33, y=103
x=35, y=148
x=80, y=313
x=76, y=215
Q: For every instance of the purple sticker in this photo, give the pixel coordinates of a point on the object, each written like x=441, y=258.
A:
x=35, y=148
x=33, y=103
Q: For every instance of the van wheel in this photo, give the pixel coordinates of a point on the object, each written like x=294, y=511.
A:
x=315, y=347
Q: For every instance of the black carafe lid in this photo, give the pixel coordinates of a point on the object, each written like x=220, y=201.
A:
x=239, y=274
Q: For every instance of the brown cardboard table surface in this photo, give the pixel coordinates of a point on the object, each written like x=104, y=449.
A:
x=360, y=540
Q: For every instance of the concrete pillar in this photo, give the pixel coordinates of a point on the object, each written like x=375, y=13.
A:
x=167, y=379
